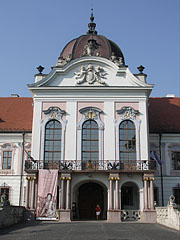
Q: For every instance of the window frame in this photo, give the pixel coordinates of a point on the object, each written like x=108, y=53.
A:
x=127, y=131
x=90, y=140
x=84, y=116
x=3, y=158
x=50, y=114
x=53, y=140
x=137, y=122
x=173, y=161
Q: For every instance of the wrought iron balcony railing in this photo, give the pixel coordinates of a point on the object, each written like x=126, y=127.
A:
x=79, y=165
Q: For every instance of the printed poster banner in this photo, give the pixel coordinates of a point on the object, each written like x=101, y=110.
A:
x=47, y=195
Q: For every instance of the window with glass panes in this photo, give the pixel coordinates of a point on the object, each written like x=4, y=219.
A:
x=53, y=132
x=7, y=158
x=176, y=160
x=127, y=140
x=90, y=141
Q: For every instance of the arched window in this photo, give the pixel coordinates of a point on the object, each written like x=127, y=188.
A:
x=90, y=141
x=52, y=149
x=127, y=140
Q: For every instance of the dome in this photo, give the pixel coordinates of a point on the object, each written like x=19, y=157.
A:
x=92, y=44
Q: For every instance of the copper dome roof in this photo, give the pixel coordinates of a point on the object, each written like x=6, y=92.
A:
x=92, y=44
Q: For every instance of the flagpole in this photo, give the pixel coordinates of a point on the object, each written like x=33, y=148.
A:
x=162, y=190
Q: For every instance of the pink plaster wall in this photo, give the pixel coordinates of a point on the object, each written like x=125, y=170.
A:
x=119, y=105
x=46, y=105
x=99, y=105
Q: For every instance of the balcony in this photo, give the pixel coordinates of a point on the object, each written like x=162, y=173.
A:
x=92, y=166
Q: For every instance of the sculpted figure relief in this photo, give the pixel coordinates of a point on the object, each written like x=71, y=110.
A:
x=90, y=75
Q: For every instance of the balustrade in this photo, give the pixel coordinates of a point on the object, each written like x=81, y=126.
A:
x=106, y=165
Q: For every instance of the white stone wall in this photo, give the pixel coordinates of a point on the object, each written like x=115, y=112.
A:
x=11, y=178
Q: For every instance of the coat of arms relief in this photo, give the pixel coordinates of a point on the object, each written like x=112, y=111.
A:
x=90, y=75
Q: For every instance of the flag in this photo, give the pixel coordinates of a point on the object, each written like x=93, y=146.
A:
x=32, y=159
x=153, y=156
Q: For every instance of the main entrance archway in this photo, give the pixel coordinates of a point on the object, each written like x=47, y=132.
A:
x=91, y=194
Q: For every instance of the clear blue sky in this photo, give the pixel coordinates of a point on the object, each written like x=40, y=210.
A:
x=33, y=32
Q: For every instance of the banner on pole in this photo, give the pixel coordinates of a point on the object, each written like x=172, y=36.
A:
x=47, y=194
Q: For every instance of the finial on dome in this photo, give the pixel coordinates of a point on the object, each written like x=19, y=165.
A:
x=92, y=25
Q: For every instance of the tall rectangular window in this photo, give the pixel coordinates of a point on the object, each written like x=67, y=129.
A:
x=7, y=158
x=53, y=135
x=127, y=140
x=176, y=160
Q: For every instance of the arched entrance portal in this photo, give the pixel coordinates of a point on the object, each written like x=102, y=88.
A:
x=91, y=194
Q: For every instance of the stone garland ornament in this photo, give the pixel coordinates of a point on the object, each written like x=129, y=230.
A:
x=90, y=75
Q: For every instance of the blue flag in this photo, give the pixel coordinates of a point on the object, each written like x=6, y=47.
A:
x=153, y=156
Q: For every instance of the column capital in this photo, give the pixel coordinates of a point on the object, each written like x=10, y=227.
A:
x=31, y=178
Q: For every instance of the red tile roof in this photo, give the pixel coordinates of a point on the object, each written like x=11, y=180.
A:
x=16, y=114
x=164, y=115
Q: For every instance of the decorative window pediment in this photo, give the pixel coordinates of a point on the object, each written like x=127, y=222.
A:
x=90, y=112
x=127, y=113
x=54, y=112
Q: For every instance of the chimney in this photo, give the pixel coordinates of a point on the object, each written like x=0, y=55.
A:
x=14, y=95
x=170, y=95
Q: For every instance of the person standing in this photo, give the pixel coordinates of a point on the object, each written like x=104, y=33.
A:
x=98, y=212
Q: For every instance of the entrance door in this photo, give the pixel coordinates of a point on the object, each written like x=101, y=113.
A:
x=90, y=194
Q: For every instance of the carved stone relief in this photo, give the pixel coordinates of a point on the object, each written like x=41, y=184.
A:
x=90, y=75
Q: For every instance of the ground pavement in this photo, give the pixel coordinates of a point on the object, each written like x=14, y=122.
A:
x=100, y=230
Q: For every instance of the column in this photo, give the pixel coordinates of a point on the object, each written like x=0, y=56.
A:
x=35, y=195
x=151, y=194
x=62, y=193
x=68, y=193
x=117, y=194
x=32, y=194
x=111, y=194
x=59, y=196
x=27, y=193
x=148, y=194
x=145, y=194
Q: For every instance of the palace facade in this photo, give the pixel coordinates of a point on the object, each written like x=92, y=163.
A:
x=92, y=120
